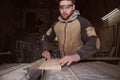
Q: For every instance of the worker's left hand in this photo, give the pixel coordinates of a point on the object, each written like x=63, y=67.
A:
x=69, y=59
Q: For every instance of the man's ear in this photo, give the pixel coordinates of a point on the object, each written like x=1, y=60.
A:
x=74, y=7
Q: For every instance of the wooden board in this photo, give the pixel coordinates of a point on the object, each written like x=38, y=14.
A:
x=52, y=64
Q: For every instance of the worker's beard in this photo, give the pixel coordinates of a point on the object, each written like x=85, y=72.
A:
x=66, y=16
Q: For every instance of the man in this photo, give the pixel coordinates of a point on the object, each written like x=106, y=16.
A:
x=76, y=36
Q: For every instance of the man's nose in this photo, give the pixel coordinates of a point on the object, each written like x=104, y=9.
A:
x=64, y=9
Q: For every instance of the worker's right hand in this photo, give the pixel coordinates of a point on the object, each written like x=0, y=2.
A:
x=46, y=54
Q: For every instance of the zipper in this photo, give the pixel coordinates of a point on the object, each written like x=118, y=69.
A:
x=64, y=39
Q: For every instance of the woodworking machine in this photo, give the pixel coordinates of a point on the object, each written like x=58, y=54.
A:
x=80, y=71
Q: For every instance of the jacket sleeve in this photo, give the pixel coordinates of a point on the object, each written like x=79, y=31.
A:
x=47, y=38
x=89, y=38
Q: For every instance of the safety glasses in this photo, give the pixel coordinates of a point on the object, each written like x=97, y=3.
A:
x=65, y=6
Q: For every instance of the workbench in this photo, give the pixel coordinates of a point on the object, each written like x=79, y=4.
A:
x=85, y=71
x=95, y=70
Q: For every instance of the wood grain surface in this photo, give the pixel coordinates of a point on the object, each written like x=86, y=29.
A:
x=52, y=64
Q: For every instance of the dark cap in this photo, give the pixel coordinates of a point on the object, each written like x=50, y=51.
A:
x=73, y=1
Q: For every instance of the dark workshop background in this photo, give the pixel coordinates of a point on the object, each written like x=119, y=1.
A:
x=24, y=22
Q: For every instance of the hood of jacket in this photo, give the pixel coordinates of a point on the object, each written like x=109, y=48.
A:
x=73, y=16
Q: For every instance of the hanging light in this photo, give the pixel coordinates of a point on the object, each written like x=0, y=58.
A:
x=110, y=14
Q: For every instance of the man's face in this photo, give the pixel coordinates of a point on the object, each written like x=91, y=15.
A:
x=66, y=9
